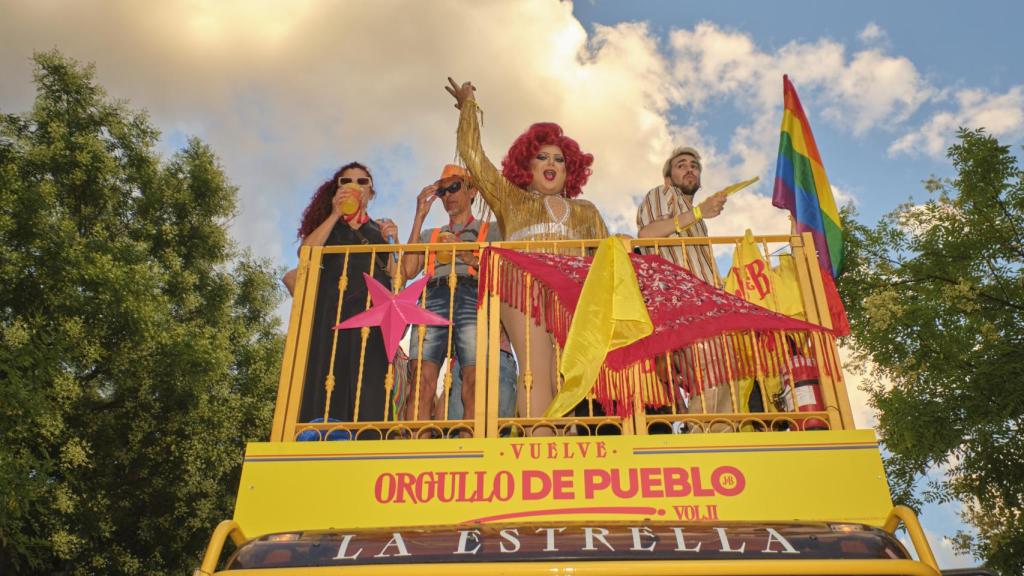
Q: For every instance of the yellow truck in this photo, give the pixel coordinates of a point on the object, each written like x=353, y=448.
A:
x=781, y=490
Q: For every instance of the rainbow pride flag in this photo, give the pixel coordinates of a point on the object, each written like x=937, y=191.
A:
x=801, y=185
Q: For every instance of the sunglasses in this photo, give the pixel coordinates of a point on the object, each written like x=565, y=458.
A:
x=362, y=181
x=449, y=189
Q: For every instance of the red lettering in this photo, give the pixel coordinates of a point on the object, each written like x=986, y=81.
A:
x=595, y=480
x=552, y=450
x=584, y=447
x=425, y=486
x=509, y=485
x=462, y=485
x=650, y=482
x=445, y=490
x=378, y=488
x=755, y=272
x=728, y=481
x=535, y=493
x=631, y=488
x=699, y=490
x=406, y=486
x=517, y=450
x=602, y=450
x=676, y=483
x=562, y=485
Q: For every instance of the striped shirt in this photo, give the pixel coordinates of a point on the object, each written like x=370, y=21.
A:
x=661, y=203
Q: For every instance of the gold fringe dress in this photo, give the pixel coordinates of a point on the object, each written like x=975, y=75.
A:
x=522, y=215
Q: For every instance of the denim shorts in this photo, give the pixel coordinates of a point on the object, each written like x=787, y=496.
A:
x=435, y=340
x=508, y=375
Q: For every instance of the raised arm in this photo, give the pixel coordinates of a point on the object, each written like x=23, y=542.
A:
x=494, y=187
x=412, y=262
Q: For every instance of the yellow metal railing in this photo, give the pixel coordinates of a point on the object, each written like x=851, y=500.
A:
x=484, y=421
x=226, y=529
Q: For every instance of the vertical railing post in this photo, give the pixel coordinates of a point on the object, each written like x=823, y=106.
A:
x=488, y=357
x=290, y=346
x=304, y=332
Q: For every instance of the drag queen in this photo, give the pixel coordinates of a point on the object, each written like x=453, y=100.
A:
x=533, y=198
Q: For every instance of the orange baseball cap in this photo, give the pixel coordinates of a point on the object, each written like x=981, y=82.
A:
x=451, y=170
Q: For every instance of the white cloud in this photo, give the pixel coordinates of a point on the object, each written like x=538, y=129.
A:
x=286, y=93
x=714, y=66
x=842, y=196
x=1002, y=115
x=872, y=33
x=875, y=89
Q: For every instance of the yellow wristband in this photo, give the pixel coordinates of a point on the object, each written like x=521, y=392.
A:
x=679, y=229
x=697, y=216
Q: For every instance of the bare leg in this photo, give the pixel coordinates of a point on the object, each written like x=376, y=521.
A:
x=542, y=362
x=468, y=392
x=427, y=387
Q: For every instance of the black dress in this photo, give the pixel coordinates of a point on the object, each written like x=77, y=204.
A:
x=346, y=362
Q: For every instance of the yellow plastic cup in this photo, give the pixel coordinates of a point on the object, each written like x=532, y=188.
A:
x=349, y=204
x=445, y=256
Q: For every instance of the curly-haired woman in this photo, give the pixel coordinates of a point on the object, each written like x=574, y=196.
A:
x=336, y=216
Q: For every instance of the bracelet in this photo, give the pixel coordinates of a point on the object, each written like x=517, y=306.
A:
x=697, y=216
x=679, y=229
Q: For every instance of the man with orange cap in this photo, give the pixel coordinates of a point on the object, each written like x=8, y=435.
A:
x=456, y=191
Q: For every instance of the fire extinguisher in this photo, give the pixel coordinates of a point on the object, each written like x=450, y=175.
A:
x=806, y=390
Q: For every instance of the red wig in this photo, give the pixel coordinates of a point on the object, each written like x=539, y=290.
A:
x=320, y=206
x=516, y=165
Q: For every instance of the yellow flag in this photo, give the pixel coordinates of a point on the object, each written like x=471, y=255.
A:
x=750, y=277
x=610, y=314
x=774, y=288
x=787, y=288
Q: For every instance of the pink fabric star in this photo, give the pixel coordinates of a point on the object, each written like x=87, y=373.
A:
x=393, y=312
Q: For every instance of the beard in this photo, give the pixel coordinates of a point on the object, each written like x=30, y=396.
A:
x=687, y=190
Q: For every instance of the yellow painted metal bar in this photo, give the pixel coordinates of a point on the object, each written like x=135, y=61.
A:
x=839, y=381
x=623, y=568
x=224, y=530
x=364, y=335
x=290, y=347
x=330, y=381
x=804, y=278
x=825, y=382
x=639, y=413
x=811, y=256
x=914, y=530
x=302, y=350
x=488, y=340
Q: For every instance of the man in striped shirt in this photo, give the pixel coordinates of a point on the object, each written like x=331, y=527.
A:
x=668, y=211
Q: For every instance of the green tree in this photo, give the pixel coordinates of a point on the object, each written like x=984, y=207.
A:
x=139, y=349
x=935, y=295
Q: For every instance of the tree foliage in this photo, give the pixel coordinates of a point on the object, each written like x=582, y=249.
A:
x=139, y=349
x=935, y=296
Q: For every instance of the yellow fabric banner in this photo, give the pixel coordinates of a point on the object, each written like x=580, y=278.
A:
x=778, y=289
x=787, y=288
x=610, y=314
x=750, y=277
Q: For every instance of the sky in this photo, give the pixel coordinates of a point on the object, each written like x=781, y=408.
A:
x=286, y=92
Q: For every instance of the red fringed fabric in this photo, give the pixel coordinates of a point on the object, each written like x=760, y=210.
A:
x=717, y=337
